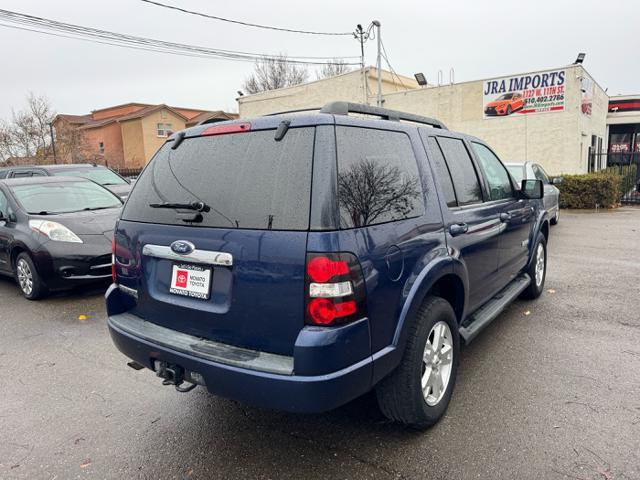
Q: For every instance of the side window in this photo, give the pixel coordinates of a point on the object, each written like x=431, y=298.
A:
x=442, y=172
x=495, y=171
x=4, y=204
x=540, y=174
x=378, y=179
x=463, y=173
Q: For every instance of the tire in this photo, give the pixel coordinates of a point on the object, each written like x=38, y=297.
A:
x=31, y=285
x=400, y=395
x=535, y=288
x=556, y=218
x=509, y=110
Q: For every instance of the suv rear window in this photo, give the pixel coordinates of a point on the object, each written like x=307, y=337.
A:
x=378, y=178
x=248, y=179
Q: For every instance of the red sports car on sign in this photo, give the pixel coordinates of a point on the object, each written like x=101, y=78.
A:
x=505, y=104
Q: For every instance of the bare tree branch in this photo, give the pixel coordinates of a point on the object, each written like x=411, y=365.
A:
x=273, y=73
x=337, y=67
x=27, y=134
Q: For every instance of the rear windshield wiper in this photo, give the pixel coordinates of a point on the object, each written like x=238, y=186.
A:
x=197, y=206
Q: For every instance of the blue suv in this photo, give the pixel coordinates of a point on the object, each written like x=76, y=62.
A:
x=297, y=261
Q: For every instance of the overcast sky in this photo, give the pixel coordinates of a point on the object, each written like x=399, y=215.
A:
x=479, y=39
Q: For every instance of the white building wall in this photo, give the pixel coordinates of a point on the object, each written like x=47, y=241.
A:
x=558, y=140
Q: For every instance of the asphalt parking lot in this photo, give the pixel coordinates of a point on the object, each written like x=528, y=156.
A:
x=550, y=390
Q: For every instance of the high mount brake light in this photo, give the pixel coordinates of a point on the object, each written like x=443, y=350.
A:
x=334, y=289
x=226, y=129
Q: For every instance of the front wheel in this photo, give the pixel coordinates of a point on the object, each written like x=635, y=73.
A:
x=29, y=281
x=537, y=269
x=418, y=392
x=556, y=218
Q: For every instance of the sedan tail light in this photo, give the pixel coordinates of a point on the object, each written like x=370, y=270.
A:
x=334, y=289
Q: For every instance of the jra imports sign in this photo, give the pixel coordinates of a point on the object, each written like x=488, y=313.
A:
x=533, y=93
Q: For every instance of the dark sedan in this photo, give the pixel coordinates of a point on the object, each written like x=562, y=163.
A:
x=99, y=174
x=56, y=232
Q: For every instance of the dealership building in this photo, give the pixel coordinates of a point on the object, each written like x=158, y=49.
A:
x=558, y=117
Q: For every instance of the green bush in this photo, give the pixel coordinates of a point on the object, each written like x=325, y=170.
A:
x=603, y=189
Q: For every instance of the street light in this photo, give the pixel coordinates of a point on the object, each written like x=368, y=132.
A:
x=580, y=58
x=420, y=78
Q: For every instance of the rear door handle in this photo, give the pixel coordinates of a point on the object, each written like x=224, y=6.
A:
x=505, y=217
x=458, y=229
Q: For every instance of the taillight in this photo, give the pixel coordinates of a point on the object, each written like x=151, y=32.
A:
x=226, y=129
x=113, y=260
x=335, y=290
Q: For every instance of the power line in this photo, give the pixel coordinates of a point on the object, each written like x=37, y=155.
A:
x=386, y=58
x=78, y=32
x=246, y=24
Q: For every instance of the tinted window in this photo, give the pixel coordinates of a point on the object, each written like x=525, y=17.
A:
x=540, y=174
x=100, y=175
x=463, y=173
x=517, y=171
x=378, y=178
x=27, y=173
x=495, y=172
x=3, y=204
x=248, y=179
x=442, y=172
x=64, y=197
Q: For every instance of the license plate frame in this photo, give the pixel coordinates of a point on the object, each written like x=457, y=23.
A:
x=190, y=280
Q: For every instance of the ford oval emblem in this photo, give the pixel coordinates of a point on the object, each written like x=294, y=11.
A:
x=182, y=247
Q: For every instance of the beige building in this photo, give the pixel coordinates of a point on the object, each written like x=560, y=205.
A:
x=554, y=117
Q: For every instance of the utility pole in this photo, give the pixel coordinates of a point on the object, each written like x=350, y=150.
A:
x=362, y=37
x=377, y=24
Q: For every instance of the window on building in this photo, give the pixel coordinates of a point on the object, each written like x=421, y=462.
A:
x=495, y=173
x=378, y=178
x=101, y=148
x=463, y=173
x=164, y=129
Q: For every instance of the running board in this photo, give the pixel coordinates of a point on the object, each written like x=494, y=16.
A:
x=490, y=310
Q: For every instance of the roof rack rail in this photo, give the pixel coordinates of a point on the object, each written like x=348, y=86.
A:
x=293, y=111
x=344, y=108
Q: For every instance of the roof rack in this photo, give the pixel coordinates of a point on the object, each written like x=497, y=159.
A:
x=345, y=108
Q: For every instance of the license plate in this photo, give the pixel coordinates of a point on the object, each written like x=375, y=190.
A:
x=191, y=281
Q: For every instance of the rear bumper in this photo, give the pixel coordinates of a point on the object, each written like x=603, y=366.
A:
x=249, y=376
x=293, y=393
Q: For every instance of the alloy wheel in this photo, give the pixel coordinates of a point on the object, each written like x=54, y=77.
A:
x=25, y=276
x=539, y=264
x=437, y=363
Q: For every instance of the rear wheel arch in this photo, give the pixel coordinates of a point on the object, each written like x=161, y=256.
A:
x=447, y=283
x=450, y=287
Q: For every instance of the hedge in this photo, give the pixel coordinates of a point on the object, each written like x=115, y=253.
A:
x=602, y=189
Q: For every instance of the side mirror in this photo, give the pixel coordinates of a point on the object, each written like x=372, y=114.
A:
x=532, y=189
x=557, y=180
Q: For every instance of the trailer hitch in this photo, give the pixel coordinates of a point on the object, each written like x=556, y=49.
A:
x=173, y=375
